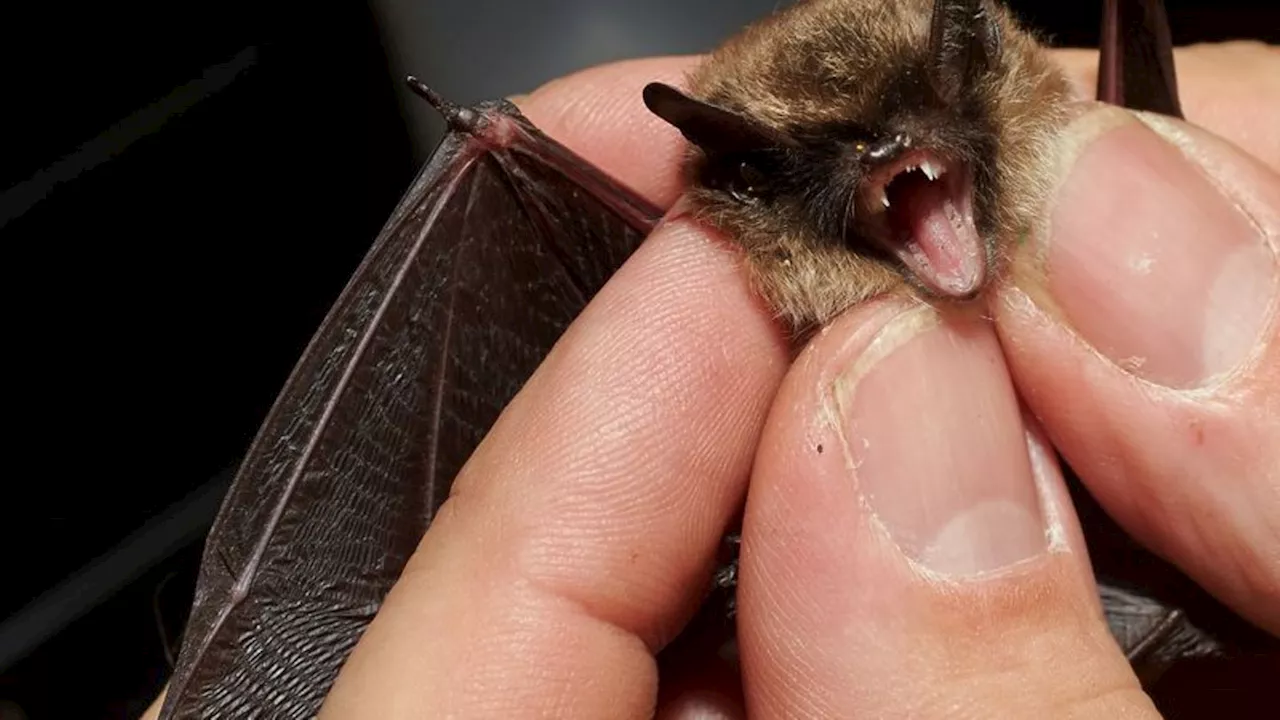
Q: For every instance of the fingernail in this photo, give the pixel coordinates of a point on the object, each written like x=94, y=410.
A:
x=936, y=442
x=1152, y=263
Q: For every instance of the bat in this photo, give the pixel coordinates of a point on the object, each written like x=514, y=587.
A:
x=853, y=148
x=505, y=236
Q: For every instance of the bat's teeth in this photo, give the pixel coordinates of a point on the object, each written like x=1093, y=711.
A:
x=929, y=171
x=884, y=198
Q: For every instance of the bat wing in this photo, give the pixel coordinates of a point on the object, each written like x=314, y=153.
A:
x=1135, y=68
x=500, y=242
x=1159, y=616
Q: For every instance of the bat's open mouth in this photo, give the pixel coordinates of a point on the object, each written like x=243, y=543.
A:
x=920, y=208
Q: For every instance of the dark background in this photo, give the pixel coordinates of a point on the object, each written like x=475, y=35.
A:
x=184, y=189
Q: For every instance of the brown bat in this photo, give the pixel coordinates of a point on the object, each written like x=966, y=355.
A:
x=849, y=146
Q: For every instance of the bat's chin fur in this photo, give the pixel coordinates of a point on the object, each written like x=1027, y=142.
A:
x=919, y=208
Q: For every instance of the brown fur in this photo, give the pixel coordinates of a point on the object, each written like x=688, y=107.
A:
x=829, y=60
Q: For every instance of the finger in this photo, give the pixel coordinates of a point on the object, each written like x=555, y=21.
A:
x=599, y=114
x=908, y=544
x=1142, y=330
x=1231, y=88
x=581, y=535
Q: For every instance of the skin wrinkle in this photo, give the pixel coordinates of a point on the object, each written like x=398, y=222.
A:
x=582, y=572
x=565, y=607
x=1001, y=671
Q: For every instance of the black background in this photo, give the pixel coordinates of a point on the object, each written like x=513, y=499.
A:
x=185, y=189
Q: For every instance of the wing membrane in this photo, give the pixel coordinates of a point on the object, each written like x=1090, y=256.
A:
x=498, y=245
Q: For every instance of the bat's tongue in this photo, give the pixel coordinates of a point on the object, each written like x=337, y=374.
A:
x=934, y=235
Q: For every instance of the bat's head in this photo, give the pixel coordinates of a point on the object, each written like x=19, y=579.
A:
x=852, y=146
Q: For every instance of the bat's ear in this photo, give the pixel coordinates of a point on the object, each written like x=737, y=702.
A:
x=964, y=42
x=712, y=128
x=1135, y=68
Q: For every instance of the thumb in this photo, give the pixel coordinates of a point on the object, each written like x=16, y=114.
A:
x=1141, y=328
x=909, y=549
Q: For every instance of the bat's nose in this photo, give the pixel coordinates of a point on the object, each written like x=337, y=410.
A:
x=887, y=149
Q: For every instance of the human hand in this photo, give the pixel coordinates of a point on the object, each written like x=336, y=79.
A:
x=907, y=547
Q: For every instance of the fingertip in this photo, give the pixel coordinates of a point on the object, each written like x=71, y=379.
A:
x=907, y=539
x=1141, y=326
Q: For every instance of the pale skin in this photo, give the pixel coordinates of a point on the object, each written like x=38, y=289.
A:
x=573, y=550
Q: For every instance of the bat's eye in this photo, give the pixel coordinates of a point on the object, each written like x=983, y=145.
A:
x=744, y=178
x=747, y=182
